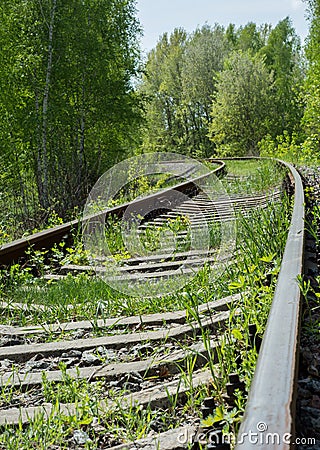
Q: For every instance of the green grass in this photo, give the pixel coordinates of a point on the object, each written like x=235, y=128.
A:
x=246, y=167
x=258, y=176
x=85, y=297
x=254, y=175
x=110, y=427
x=260, y=243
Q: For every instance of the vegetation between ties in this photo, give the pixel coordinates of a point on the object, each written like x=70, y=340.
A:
x=75, y=99
x=260, y=241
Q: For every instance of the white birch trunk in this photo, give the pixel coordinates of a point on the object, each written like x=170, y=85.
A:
x=44, y=168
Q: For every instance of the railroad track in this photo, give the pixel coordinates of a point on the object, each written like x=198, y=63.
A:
x=155, y=362
x=199, y=212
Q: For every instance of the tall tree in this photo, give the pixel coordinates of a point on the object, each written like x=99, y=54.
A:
x=282, y=54
x=162, y=85
x=203, y=59
x=241, y=110
x=179, y=82
x=252, y=38
x=66, y=90
x=183, y=76
x=311, y=118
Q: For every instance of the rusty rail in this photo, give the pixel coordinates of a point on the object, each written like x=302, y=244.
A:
x=269, y=419
x=47, y=238
x=270, y=412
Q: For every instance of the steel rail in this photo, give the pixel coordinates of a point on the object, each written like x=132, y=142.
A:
x=47, y=238
x=270, y=412
x=269, y=419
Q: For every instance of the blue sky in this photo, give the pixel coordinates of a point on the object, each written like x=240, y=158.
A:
x=159, y=16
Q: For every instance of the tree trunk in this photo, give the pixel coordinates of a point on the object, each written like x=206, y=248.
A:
x=44, y=200
x=82, y=134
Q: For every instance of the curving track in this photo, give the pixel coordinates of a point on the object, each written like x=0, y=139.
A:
x=164, y=342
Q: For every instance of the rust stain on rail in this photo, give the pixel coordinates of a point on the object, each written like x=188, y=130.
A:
x=45, y=239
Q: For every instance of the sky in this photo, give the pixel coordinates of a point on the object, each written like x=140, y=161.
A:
x=160, y=16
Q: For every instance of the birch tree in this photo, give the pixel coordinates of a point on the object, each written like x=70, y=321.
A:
x=67, y=96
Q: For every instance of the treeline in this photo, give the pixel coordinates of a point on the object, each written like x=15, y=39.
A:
x=68, y=110
x=221, y=90
x=311, y=92
x=75, y=97
x=236, y=91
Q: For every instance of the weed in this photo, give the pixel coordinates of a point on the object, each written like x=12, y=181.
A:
x=260, y=243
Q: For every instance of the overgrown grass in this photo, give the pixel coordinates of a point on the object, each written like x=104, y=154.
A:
x=95, y=429
x=260, y=243
x=247, y=167
x=252, y=175
x=102, y=417
x=255, y=176
x=262, y=238
x=86, y=297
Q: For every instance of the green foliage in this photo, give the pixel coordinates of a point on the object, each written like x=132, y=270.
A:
x=258, y=93
x=241, y=110
x=67, y=103
x=15, y=276
x=162, y=87
x=179, y=83
x=290, y=148
x=282, y=54
x=75, y=255
x=204, y=56
x=69, y=390
x=251, y=38
x=154, y=237
x=184, y=72
x=311, y=120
